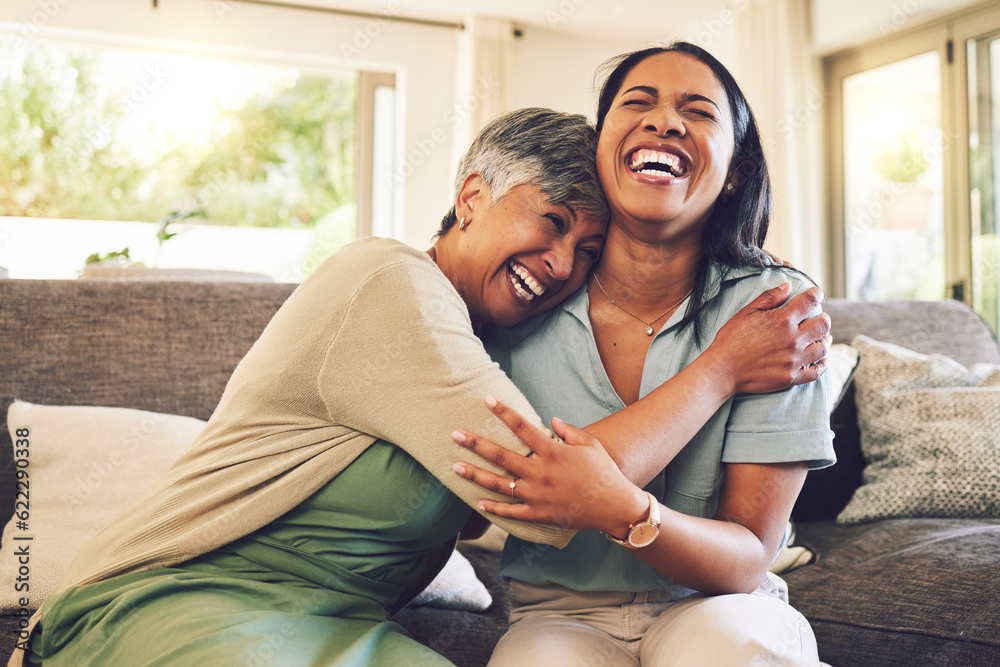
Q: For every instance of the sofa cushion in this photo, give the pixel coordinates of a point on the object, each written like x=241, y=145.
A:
x=929, y=430
x=82, y=466
x=883, y=593
x=930, y=327
x=167, y=347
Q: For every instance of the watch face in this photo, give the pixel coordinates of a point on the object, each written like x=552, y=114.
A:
x=643, y=535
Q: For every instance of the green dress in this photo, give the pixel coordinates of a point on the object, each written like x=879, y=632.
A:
x=316, y=587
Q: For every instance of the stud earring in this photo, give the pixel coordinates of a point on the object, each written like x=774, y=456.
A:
x=462, y=224
x=730, y=188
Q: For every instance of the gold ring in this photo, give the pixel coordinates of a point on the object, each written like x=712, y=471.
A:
x=513, y=484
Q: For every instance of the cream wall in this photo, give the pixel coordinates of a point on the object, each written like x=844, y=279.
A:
x=554, y=68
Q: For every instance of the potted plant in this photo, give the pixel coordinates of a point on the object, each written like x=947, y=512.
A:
x=118, y=265
x=906, y=199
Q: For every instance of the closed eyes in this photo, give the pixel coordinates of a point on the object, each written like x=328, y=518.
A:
x=691, y=110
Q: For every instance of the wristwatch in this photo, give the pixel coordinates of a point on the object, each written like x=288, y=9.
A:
x=642, y=532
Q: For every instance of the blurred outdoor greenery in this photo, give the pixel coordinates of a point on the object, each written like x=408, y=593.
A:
x=72, y=144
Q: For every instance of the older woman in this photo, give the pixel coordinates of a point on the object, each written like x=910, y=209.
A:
x=679, y=575
x=312, y=505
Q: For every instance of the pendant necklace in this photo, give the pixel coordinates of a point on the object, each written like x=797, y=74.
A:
x=649, y=325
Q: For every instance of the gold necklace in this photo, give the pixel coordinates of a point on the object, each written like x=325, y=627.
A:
x=649, y=325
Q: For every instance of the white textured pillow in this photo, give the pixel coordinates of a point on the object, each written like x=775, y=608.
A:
x=930, y=431
x=84, y=466
x=843, y=365
x=456, y=587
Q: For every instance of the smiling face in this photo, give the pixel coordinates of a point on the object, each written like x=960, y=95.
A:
x=666, y=145
x=520, y=255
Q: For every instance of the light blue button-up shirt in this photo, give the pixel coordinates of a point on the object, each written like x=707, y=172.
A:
x=554, y=360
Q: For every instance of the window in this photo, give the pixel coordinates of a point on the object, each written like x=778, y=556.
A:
x=185, y=161
x=894, y=180
x=982, y=57
x=915, y=141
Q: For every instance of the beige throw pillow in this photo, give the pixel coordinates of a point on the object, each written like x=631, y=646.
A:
x=83, y=466
x=930, y=431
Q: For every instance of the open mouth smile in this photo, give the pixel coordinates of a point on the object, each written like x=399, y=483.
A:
x=525, y=285
x=655, y=162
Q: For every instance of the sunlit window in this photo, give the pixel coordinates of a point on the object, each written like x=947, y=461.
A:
x=165, y=160
x=894, y=181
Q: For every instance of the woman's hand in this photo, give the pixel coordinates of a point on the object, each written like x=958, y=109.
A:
x=766, y=348
x=569, y=481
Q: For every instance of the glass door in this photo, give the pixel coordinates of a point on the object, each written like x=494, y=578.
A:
x=894, y=180
x=891, y=160
x=983, y=70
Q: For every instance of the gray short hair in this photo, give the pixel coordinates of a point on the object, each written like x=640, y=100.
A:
x=555, y=151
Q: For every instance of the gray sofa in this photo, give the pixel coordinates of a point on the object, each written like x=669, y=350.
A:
x=900, y=592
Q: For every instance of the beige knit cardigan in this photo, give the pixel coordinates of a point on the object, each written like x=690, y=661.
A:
x=377, y=344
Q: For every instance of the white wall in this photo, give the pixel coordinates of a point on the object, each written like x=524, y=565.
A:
x=555, y=68
x=422, y=56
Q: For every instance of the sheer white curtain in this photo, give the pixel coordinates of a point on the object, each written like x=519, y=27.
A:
x=781, y=78
x=483, y=79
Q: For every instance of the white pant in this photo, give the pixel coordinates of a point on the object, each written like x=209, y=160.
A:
x=553, y=626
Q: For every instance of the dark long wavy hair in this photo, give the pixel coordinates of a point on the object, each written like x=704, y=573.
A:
x=734, y=232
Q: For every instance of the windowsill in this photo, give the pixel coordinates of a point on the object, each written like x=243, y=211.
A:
x=41, y=248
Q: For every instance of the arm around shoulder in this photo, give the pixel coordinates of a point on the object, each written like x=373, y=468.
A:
x=406, y=367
